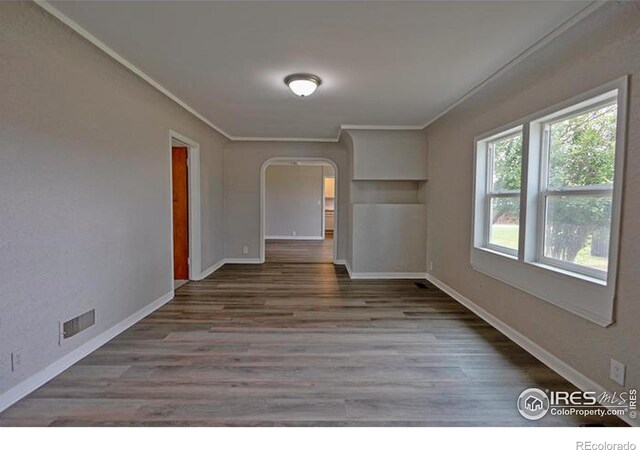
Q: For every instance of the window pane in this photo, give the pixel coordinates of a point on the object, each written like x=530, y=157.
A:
x=507, y=163
x=505, y=218
x=577, y=230
x=582, y=149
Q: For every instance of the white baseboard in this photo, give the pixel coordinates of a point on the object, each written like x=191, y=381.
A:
x=340, y=262
x=348, y=266
x=386, y=275
x=243, y=261
x=544, y=356
x=210, y=270
x=296, y=238
x=35, y=381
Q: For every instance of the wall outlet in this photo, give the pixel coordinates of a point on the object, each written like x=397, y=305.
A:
x=616, y=372
x=430, y=266
x=17, y=359
x=295, y=233
x=245, y=250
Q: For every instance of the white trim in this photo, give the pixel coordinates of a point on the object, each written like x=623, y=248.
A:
x=340, y=262
x=348, y=267
x=296, y=238
x=194, y=204
x=44, y=4
x=386, y=275
x=281, y=139
x=381, y=127
x=541, y=354
x=210, y=270
x=285, y=159
x=243, y=261
x=35, y=381
x=323, y=201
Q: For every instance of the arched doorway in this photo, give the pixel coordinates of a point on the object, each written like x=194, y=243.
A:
x=302, y=161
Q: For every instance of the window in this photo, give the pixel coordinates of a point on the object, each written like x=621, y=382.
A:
x=503, y=192
x=547, y=202
x=577, y=189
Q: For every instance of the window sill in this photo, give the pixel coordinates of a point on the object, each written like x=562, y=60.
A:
x=568, y=273
x=497, y=253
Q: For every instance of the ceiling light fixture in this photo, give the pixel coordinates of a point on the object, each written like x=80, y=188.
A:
x=302, y=84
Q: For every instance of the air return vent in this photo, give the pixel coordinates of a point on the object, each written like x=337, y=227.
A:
x=77, y=324
x=421, y=286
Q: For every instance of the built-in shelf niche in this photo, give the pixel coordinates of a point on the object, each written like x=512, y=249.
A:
x=388, y=191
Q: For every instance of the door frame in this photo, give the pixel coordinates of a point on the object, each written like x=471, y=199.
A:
x=193, y=171
x=303, y=159
x=323, y=208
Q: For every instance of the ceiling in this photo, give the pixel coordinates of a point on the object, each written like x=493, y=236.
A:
x=386, y=64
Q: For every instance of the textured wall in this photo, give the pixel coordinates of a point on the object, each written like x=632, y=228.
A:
x=293, y=201
x=388, y=155
x=84, y=188
x=242, y=164
x=603, y=47
x=388, y=238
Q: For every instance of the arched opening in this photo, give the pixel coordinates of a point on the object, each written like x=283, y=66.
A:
x=263, y=201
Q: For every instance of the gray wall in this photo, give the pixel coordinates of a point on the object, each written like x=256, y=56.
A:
x=389, y=154
x=602, y=48
x=294, y=201
x=388, y=238
x=387, y=210
x=84, y=188
x=242, y=165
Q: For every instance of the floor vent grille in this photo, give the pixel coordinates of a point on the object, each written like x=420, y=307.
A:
x=421, y=286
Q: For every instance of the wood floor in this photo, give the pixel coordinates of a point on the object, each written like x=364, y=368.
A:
x=298, y=345
x=280, y=250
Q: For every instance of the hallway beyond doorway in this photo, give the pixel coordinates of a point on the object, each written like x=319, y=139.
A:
x=300, y=251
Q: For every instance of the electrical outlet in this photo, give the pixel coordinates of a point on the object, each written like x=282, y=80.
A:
x=430, y=266
x=295, y=233
x=616, y=372
x=17, y=359
x=245, y=250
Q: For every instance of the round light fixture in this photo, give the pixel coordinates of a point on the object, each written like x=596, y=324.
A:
x=302, y=84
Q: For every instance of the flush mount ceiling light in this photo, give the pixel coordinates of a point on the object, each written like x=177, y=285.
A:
x=302, y=84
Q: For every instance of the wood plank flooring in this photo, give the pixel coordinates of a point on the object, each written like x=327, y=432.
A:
x=281, y=250
x=286, y=344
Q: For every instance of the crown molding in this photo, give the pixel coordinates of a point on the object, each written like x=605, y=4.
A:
x=382, y=127
x=280, y=139
x=44, y=4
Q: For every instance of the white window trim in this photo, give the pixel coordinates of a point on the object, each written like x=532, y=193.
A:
x=585, y=293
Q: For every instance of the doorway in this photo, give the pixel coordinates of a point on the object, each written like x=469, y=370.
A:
x=180, y=189
x=329, y=194
x=298, y=210
x=185, y=209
